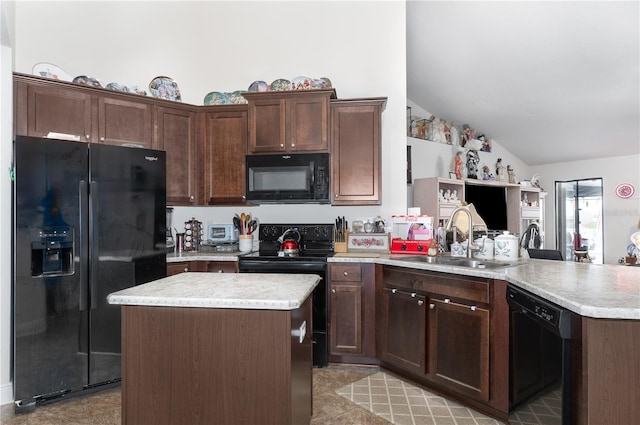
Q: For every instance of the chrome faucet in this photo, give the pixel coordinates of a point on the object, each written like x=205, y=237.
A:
x=471, y=246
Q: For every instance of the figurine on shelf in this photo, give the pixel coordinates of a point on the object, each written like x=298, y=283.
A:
x=457, y=165
x=511, y=174
x=447, y=195
x=472, y=164
x=525, y=200
x=486, y=173
x=499, y=170
x=441, y=195
x=454, y=196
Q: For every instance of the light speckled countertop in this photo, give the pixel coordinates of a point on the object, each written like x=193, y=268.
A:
x=591, y=290
x=222, y=290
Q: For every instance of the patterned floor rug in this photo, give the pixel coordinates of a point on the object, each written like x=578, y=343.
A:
x=404, y=404
x=401, y=403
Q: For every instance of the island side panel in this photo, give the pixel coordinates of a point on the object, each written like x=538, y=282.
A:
x=610, y=372
x=302, y=365
x=204, y=366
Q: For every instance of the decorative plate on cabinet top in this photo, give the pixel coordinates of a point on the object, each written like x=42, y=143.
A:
x=87, y=81
x=236, y=97
x=49, y=70
x=301, y=83
x=137, y=90
x=165, y=88
x=258, y=86
x=117, y=87
x=281, y=85
x=216, y=98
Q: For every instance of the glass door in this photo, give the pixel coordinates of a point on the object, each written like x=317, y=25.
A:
x=579, y=219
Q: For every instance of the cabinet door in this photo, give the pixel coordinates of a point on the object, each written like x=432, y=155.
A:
x=307, y=124
x=459, y=347
x=124, y=122
x=355, y=153
x=346, y=319
x=225, y=148
x=55, y=109
x=175, y=134
x=403, y=330
x=267, y=125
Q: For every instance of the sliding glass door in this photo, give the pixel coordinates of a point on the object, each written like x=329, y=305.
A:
x=579, y=218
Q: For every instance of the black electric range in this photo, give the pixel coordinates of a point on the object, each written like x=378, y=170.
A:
x=315, y=244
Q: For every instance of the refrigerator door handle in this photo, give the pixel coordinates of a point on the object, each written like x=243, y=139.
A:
x=93, y=214
x=84, y=243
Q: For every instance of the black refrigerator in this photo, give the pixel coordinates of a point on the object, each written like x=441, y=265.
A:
x=89, y=220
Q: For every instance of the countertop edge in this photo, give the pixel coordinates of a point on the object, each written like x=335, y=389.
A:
x=509, y=274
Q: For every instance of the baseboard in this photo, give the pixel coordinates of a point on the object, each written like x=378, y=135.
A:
x=6, y=394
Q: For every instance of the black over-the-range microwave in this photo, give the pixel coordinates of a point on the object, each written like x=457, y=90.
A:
x=288, y=178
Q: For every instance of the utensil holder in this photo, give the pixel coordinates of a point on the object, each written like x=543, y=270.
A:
x=341, y=246
x=245, y=243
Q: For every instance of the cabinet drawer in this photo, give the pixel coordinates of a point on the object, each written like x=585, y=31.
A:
x=530, y=212
x=345, y=272
x=222, y=267
x=452, y=286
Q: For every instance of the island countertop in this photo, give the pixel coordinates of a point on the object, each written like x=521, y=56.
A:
x=602, y=291
x=254, y=291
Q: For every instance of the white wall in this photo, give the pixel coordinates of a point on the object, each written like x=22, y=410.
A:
x=224, y=46
x=621, y=216
x=6, y=97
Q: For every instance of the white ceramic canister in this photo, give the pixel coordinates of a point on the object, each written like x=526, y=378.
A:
x=506, y=247
x=486, y=250
x=458, y=250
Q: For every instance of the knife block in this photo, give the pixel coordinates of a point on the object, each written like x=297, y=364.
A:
x=341, y=246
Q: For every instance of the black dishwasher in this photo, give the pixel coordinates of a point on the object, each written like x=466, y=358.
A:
x=539, y=359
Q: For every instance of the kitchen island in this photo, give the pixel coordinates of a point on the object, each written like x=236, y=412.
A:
x=205, y=348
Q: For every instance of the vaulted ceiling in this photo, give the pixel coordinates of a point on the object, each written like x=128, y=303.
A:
x=551, y=81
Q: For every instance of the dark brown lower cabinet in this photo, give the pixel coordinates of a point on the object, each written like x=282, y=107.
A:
x=215, y=366
x=446, y=332
x=403, y=341
x=459, y=347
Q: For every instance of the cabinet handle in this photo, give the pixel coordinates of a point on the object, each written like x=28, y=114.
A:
x=333, y=290
x=281, y=145
x=335, y=196
x=432, y=306
x=447, y=300
x=345, y=273
x=293, y=145
x=413, y=295
x=192, y=197
x=394, y=290
x=186, y=269
x=102, y=139
x=87, y=136
x=473, y=308
x=220, y=271
x=420, y=302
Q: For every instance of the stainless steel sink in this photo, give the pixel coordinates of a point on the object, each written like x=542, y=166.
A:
x=454, y=261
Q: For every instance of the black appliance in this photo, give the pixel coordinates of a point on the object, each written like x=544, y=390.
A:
x=89, y=220
x=291, y=178
x=540, y=335
x=314, y=246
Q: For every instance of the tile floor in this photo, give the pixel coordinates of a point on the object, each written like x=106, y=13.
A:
x=329, y=407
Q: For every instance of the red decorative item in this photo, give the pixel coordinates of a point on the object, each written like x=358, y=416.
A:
x=625, y=190
x=404, y=246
